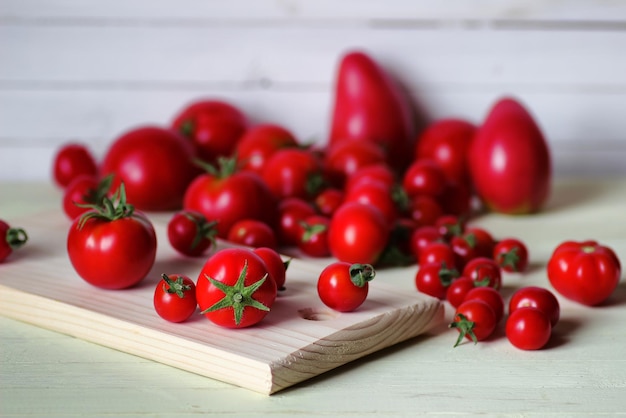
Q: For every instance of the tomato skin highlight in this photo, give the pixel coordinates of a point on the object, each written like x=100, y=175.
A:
x=72, y=160
x=528, y=329
x=338, y=291
x=171, y=305
x=475, y=320
x=586, y=272
x=538, y=298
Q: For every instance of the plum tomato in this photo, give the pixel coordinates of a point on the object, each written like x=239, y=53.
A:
x=538, y=298
x=511, y=254
x=72, y=160
x=190, y=233
x=175, y=297
x=344, y=286
x=528, y=328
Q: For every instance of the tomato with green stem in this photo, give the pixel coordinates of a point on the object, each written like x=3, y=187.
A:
x=83, y=191
x=482, y=269
x=11, y=239
x=294, y=172
x=175, y=297
x=314, y=236
x=434, y=279
x=511, y=254
x=475, y=320
x=344, y=286
x=259, y=143
x=190, y=233
x=71, y=161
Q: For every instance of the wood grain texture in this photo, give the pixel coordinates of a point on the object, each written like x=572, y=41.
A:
x=299, y=339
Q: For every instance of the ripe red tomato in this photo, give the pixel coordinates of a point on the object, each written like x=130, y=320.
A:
x=483, y=269
x=509, y=160
x=84, y=190
x=528, y=328
x=155, y=166
x=276, y=267
x=343, y=286
x=73, y=160
x=458, y=289
x=425, y=210
x=421, y=238
x=447, y=142
x=293, y=172
x=475, y=320
x=378, y=172
x=483, y=240
x=464, y=249
x=511, y=254
x=175, y=298
x=346, y=158
x=434, y=279
x=190, y=233
x=314, y=236
x=113, y=246
x=10, y=239
x=234, y=289
x=213, y=126
x=291, y=212
x=328, y=200
x=252, y=233
x=227, y=196
x=437, y=253
x=424, y=177
x=450, y=226
x=538, y=298
x=491, y=297
x=374, y=194
x=357, y=233
x=586, y=272
x=259, y=143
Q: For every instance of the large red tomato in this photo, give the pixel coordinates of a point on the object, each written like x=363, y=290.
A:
x=155, y=164
x=509, y=160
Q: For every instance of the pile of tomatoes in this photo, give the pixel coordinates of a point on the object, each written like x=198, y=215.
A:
x=380, y=193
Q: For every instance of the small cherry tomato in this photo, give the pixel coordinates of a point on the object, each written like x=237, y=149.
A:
x=276, y=267
x=458, y=289
x=585, y=272
x=450, y=226
x=343, y=286
x=259, y=143
x=375, y=194
x=434, y=279
x=314, y=236
x=464, y=248
x=437, y=253
x=528, y=328
x=491, y=297
x=82, y=191
x=252, y=233
x=328, y=200
x=424, y=177
x=292, y=211
x=511, y=255
x=483, y=240
x=345, y=158
x=10, y=239
x=421, y=238
x=372, y=173
x=425, y=210
x=294, y=172
x=483, y=269
x=475, y=320
x=175, y=298
x=190, y=233
x=71, y=161
x=538, y=298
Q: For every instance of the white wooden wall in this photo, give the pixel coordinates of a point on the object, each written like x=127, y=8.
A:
x=89, y=70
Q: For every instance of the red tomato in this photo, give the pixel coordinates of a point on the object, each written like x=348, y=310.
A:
x=293, y=172
x=434, y=279
x=213, y=126
x=276, y=267
x=425, y=209
x=464, y=249
x=421, y=238
x=424, y=177
x=475, y=320
x=482, y=269
x=190, y=233
x=483, y=240
x=357, y=233
x=73, y=160
x=346, y=158
x=314, y=236
x=511, y=254
x=437, y=253
x=450, y=226
x=328, y=200
x=457, y=199
x=234, y=289
x=374, y=194
x=509, y=160
x=155, y=166
x=175, y=298
x=528, y=329
x=447, y=142
x=292, y=211
x=227, y=196
x=259, y=143
x=84, y=190
x=112, y=247
x=491, y=297
x=586, y=272
x=252, y=233
x=458, y=289
x=378, y=172
x=343, y=286
x=538, y=298
x=10, y=239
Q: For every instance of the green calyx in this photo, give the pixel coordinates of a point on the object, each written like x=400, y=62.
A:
x=109, y=209
x=16, y=237
x=187, y=128
x=97, y=195
x=360, y=274
x=465, y=327
x=204, y=229
x=510, y=259
x=447, y=275
x=310, y=230
x=238, y=296
x=177, y=286
x=226, y=166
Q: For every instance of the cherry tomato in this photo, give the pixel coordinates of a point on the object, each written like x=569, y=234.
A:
x=343, y=286
x=291, y=212
x=538, y=298
x=379, y=172
x=437, y=253
x=483, y=269
x=155, y=166
x=113, y=246
x=491, y=297
x=586, y=272
x=458, y=289
x=511, y=254
x=450, y=226
x=84, y=190
x=464, y=248
x=375, y=194
x=73, y=160
x=234, y=289
x=345, y=158
x=190, y=233
x=483, y=240
x=328, y=200
x=357, y=233
x=252, y=233
x=213, y=126
x=528, y=328
x=259, y=143
x=314, y=236
x=424, y=177
x=425, y=209
x=434, y=279
x=475, y=320
x=226, y=195
x=175, y=298
x=10, y=239
x=421, y=237
x=276, y=267
x=294, y=172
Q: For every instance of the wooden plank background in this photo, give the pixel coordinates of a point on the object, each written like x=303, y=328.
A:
x=90, y=70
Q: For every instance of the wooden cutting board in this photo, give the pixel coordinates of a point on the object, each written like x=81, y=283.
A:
x=299, y=339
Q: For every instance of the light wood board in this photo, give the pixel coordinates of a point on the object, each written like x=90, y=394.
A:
x=299, y=339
